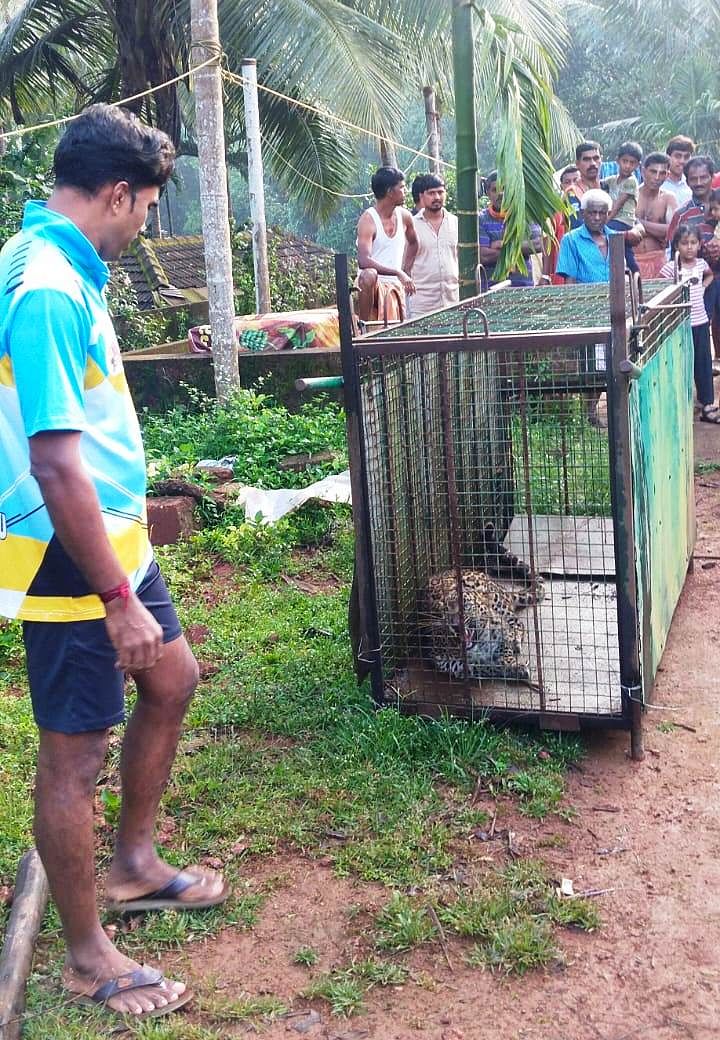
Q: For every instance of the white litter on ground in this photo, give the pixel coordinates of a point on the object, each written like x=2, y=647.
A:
x=267, y=507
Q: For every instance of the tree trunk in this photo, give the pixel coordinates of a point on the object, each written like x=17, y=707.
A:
x=467, y=196
x=431, y=125
x=214, y=197
x=387, y=154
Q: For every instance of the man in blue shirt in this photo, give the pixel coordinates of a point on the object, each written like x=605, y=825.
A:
x=75, y=560
x=585, y=257
x=584, y=252
x=491, y=230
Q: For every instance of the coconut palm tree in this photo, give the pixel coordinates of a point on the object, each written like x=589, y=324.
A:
x=680, y=37
x=361, y=61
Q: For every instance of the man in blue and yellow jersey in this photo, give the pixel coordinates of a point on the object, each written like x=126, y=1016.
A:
x=75, y=561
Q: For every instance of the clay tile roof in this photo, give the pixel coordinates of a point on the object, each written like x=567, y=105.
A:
x=170, y=271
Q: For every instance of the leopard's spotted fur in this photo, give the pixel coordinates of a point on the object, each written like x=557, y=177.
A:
x=493, y=633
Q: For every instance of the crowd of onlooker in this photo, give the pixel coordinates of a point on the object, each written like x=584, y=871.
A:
x=665, y=204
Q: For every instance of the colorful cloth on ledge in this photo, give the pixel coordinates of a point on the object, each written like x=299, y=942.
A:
x=291, y=330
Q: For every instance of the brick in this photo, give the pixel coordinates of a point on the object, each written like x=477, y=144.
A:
x=170, y=518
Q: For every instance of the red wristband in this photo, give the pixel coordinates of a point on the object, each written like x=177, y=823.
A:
x=121, y=591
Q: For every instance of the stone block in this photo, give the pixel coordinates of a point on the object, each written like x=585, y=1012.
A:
x=170, y=518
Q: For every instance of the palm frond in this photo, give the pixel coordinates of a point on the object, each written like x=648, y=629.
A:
x=520, y=97
x=325, y=50
x=44, y=50
x=305, y=153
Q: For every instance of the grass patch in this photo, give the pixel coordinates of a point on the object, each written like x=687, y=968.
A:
x=706, y=467
x=305, y=956
x=282, y=749
x=513, y=918
x=568, y=460
x=402, y=924
x=516, y=946
x=252, y=429
x=344, y=989
x=340, y=990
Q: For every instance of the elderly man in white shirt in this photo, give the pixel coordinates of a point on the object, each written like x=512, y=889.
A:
x=433, y=261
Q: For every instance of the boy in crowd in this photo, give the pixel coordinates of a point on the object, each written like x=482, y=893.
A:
x=679, y=150
x=562, y=222
x=655, y=209
x=383, y=231
x=622, y=187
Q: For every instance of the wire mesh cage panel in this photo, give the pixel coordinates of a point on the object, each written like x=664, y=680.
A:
x=490, y=476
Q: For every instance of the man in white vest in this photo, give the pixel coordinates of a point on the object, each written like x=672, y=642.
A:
x=383, y=232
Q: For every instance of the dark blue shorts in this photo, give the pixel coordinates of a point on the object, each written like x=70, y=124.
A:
x=74, y=684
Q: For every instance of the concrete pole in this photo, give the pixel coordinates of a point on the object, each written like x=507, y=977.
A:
x=214, y=207
x=256, y=186
x=432, y=127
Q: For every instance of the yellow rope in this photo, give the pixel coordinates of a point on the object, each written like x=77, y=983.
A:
x=21, y=131
x=233, y=76
x=309, y=180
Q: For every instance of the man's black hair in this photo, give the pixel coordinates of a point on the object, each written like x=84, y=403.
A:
x=586, y=146
x=421, y=184
x=656, y=159
x=631, y=148
x=385, y=178
x=491, y=179
x=567, y=170
x=107, y=144
x=680, y=143
x=699, y=160
x=680, y=232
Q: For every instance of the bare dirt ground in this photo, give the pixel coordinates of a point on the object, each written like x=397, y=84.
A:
x=648, y=833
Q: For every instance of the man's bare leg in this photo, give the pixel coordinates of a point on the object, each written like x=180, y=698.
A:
x=151, y=738
x=367, y=282
x=68, y=766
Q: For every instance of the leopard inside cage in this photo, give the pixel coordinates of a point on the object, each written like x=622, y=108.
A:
x=487, y=636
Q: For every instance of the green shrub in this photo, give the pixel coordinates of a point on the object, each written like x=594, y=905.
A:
x=251, y=427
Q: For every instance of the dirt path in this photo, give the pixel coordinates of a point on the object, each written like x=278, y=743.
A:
x=649, y=833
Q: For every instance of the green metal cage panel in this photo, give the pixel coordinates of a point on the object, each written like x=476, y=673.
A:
x=542, y=439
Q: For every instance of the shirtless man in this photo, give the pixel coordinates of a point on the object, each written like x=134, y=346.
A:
x=655, y=208
x=382, y=234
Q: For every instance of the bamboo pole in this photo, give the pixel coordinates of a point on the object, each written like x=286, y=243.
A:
x=431, y=125
x=467, y=196
x=28, y=909
x=213, y=196
x=256, y=186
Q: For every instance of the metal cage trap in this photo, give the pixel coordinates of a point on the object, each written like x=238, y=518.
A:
x=522, y=470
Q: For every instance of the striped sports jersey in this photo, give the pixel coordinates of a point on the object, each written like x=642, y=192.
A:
x=60, y=369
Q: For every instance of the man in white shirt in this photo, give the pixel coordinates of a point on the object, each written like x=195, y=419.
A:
x=433, y=260
x=679, y=149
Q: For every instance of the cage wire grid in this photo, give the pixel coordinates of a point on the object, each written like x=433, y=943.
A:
x=456, y=440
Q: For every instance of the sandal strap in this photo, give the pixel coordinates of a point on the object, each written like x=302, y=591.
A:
x=138, y=978
x=175, y=887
